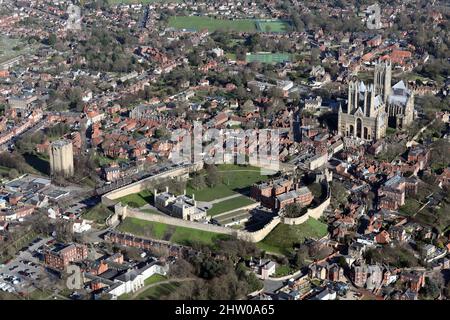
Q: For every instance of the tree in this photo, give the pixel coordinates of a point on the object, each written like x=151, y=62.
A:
x=198, y=182
x=181, y=269
x=299, y=258
x=13, y=173
x=51, y=40
x=430, y=290
x=275, y=92
x=161, y=133
x=212, y=176
x=294, y=210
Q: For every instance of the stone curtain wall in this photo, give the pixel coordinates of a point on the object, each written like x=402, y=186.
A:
x=260, y=234
x=110, y=199
x=138, y=186
x=315, y=213
x=179, y=222
x=243, y=235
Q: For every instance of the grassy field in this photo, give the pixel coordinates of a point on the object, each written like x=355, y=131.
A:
x=272, y=26
x=157, y=292
x=265, y=57
x=229, y=205
x=154, y=279
x=411, y=207
x=99, y=213
x=239, y=25
x=282, y=239
x=283, y=270
x=150, y=211
x=234, y=179
x=137, y=200
x=11, y=48
x=38, y=162
x=167, y=232
x=200, y=23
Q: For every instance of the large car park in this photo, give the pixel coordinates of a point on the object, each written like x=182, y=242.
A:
x=22, y=273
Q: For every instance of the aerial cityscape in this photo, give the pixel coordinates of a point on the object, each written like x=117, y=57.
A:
x=224, y=150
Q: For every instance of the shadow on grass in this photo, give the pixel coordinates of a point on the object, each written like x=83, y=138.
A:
x=41, y=165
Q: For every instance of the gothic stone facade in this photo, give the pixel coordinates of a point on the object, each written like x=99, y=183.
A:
x=371, y=107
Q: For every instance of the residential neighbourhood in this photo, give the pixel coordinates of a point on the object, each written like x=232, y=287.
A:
x=241, y=150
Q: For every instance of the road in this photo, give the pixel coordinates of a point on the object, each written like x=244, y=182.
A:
x=37, y=126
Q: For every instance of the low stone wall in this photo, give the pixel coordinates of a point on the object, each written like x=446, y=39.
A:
x=315, y=213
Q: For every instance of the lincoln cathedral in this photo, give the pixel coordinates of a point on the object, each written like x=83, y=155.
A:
x=372, y=107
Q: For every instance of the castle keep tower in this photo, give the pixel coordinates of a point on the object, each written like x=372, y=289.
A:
x=61, y=158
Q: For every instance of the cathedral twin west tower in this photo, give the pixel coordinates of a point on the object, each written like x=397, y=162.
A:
x=371, y=107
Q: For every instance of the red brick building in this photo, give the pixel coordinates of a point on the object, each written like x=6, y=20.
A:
x=61, y=257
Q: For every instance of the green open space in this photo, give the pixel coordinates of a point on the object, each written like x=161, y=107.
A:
x=11, y=48
x=212, y=24
x=235, y=179
x=39, y=294
x=154, y=279
x=229, y=205
x=272, y=25
x=266, y=57
x=410, y=207
x=161, y=231
x=39, y=162
x=283, y=270
x=284, y=237
x=4, y=170
x=159, y=291
x=15, y=246
x=151, y=211
x=137, y=200
x=98, y=213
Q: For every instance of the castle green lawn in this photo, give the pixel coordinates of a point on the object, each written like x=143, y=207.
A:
x=199, y=23
x=137, y=200
x=282, y=239
x=162, y=231
x=235, y=178
x=229, y=205
x=209, y=194
x=150, y=211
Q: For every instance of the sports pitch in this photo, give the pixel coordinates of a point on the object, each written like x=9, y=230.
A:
x=266, y=57
x=197, y=23
x=272, y=25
